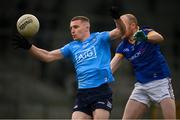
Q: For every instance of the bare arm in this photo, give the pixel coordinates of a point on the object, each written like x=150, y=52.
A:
x=155, y=37
x=44, y=55
x=115, y=61
x=119, y=31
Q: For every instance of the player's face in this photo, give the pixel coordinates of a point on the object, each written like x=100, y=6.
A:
x=129, y=26
x=78, y=29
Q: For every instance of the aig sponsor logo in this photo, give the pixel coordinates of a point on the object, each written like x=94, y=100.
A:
x=85, y=55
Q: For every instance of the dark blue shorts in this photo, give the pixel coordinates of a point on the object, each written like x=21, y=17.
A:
x=88, y=100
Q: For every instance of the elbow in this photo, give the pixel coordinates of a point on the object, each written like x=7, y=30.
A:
x=161, y=38
x=46, y=61
x=46, y=58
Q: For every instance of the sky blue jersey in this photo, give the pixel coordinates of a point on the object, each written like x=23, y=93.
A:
x=146, y=58
x=91, y=59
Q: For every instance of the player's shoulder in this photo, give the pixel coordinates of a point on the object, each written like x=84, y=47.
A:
x=72, y=44
x=100, y=33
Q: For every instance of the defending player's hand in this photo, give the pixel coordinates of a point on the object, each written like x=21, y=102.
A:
x=114, y=12
x=140, y=36
x=20, y=42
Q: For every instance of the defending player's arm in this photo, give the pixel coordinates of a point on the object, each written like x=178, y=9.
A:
x=43, y=55
x=152, y=36
x=120, y=29
x=115, y=62
x=155, y=37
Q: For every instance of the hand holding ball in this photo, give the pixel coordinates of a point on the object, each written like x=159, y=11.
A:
x=27, y=25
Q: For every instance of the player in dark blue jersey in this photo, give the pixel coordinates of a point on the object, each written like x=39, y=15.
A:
x=90, y=54
x=153, y=83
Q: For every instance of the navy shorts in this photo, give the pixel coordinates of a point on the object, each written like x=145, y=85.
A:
x=88, y=100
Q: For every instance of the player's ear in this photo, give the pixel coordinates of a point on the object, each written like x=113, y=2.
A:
x=87, y=28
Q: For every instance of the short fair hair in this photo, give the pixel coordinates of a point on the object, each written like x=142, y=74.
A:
x=131, y=18
x=82, y=18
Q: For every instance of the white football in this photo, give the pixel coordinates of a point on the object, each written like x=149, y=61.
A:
x=27, y=25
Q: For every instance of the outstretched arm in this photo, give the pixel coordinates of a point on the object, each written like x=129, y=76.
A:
x=115, y=61
x=43, y=55
x=120, y=29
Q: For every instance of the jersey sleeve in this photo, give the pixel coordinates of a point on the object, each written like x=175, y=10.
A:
x=66, y=51
x=105, y=36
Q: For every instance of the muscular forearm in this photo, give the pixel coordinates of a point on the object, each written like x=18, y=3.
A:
x=40, y=54
x=114, y=67
x=155, y=37
x=121, y=26
x=115, y=62
x=119, y=31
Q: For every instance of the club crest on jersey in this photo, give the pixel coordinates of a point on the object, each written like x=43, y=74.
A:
x=86, y=54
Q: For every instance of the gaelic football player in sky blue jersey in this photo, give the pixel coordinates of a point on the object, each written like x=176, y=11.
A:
x=153, y=83
x=90, y=54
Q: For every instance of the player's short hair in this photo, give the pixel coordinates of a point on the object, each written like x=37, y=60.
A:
x=82, y=18
x=132, y=18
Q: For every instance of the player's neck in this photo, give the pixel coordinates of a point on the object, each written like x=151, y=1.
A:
x=85, y=37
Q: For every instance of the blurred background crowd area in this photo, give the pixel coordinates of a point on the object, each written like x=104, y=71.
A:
x=33, y=89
